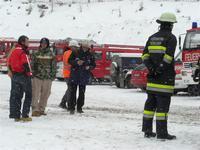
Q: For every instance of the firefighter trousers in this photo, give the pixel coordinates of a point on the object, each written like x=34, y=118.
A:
x=72, y=96
x=158, y=105
x=20, y=84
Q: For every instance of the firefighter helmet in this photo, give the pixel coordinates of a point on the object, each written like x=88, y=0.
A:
x=167, y=17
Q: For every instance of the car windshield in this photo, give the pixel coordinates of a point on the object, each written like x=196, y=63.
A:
x=192, y=40
x=131, y=62
x=140, y=67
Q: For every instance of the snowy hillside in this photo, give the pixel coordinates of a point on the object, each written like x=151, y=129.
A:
x=123, y=22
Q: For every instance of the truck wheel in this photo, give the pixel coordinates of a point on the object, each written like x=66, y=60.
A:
x=117, y=82
x=128, y=82
x=194, y=90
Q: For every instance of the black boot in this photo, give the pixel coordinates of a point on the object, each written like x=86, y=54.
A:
x=149, y=134
x=62, y=105
x=71, y=112
x=80, y=111
x=166, y=137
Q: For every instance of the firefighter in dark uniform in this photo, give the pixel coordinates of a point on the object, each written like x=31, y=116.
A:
x=158, y=56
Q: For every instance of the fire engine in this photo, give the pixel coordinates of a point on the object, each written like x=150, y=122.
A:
x=190, y=57
x=6, y=45
x=104, y=55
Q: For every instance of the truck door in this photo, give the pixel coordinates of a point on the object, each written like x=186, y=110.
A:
x=98, y=72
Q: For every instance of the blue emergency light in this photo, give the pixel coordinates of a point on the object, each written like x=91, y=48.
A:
x=194, y=25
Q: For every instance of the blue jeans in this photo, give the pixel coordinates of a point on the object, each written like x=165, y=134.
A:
x=20, y=84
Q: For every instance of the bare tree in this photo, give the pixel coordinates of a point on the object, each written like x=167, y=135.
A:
x=52, y=4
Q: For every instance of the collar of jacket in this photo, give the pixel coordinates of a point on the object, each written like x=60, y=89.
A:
x=22, y=47
x=44, y=50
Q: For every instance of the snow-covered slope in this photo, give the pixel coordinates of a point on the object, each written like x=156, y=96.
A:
x=120, y=22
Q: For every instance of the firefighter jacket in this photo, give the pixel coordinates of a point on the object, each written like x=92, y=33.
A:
x=18, y=61
x=80, y=74
x=66, y=65
x=158, y=56
x=44, y=64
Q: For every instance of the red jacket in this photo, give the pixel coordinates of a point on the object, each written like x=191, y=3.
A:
x=19, y=61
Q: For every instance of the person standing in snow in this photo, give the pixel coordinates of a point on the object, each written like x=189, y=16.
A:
x=20, y=73
x=44, y=72
x=82, y=62
x=158, y=56
x=66, y=73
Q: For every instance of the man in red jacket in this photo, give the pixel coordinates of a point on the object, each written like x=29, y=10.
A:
x=19, y=66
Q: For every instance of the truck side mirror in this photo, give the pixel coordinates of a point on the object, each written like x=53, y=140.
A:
x=180, y=48
x=179, y=42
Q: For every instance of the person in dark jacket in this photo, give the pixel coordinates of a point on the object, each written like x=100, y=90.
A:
x=82, y=62
x=158, y=56
x=20, y=73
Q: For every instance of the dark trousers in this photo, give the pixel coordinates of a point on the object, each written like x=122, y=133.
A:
x=72, y=96
x=64, y=98
x=20, y=84
x=159, y=105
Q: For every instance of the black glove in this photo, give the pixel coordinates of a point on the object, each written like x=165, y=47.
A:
x=151, y=70
x=159, y=70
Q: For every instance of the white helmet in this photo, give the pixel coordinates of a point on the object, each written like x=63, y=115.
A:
x=167, y=17
x=74, y=43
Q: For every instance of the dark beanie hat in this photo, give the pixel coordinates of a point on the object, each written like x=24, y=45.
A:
x=44, y=40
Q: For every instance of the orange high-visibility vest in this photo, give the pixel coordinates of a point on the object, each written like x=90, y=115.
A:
x=66, y=65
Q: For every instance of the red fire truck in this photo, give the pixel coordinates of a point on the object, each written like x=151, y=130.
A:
x=6, y=44
x=190, y=57
x=104, y=55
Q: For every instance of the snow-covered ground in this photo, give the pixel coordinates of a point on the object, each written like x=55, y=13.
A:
x=112, y=121
x=120, y=22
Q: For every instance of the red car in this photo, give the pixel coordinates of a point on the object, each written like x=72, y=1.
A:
x=139, y=77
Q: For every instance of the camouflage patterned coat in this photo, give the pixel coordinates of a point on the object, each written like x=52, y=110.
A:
x=44, y=64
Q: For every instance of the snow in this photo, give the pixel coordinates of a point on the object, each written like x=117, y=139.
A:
x=112, y=121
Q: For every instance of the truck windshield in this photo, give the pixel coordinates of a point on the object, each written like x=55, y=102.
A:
x=192, y=40
x=98, y=55
x=131, y=62
x=2, y=47
x=140, y=67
